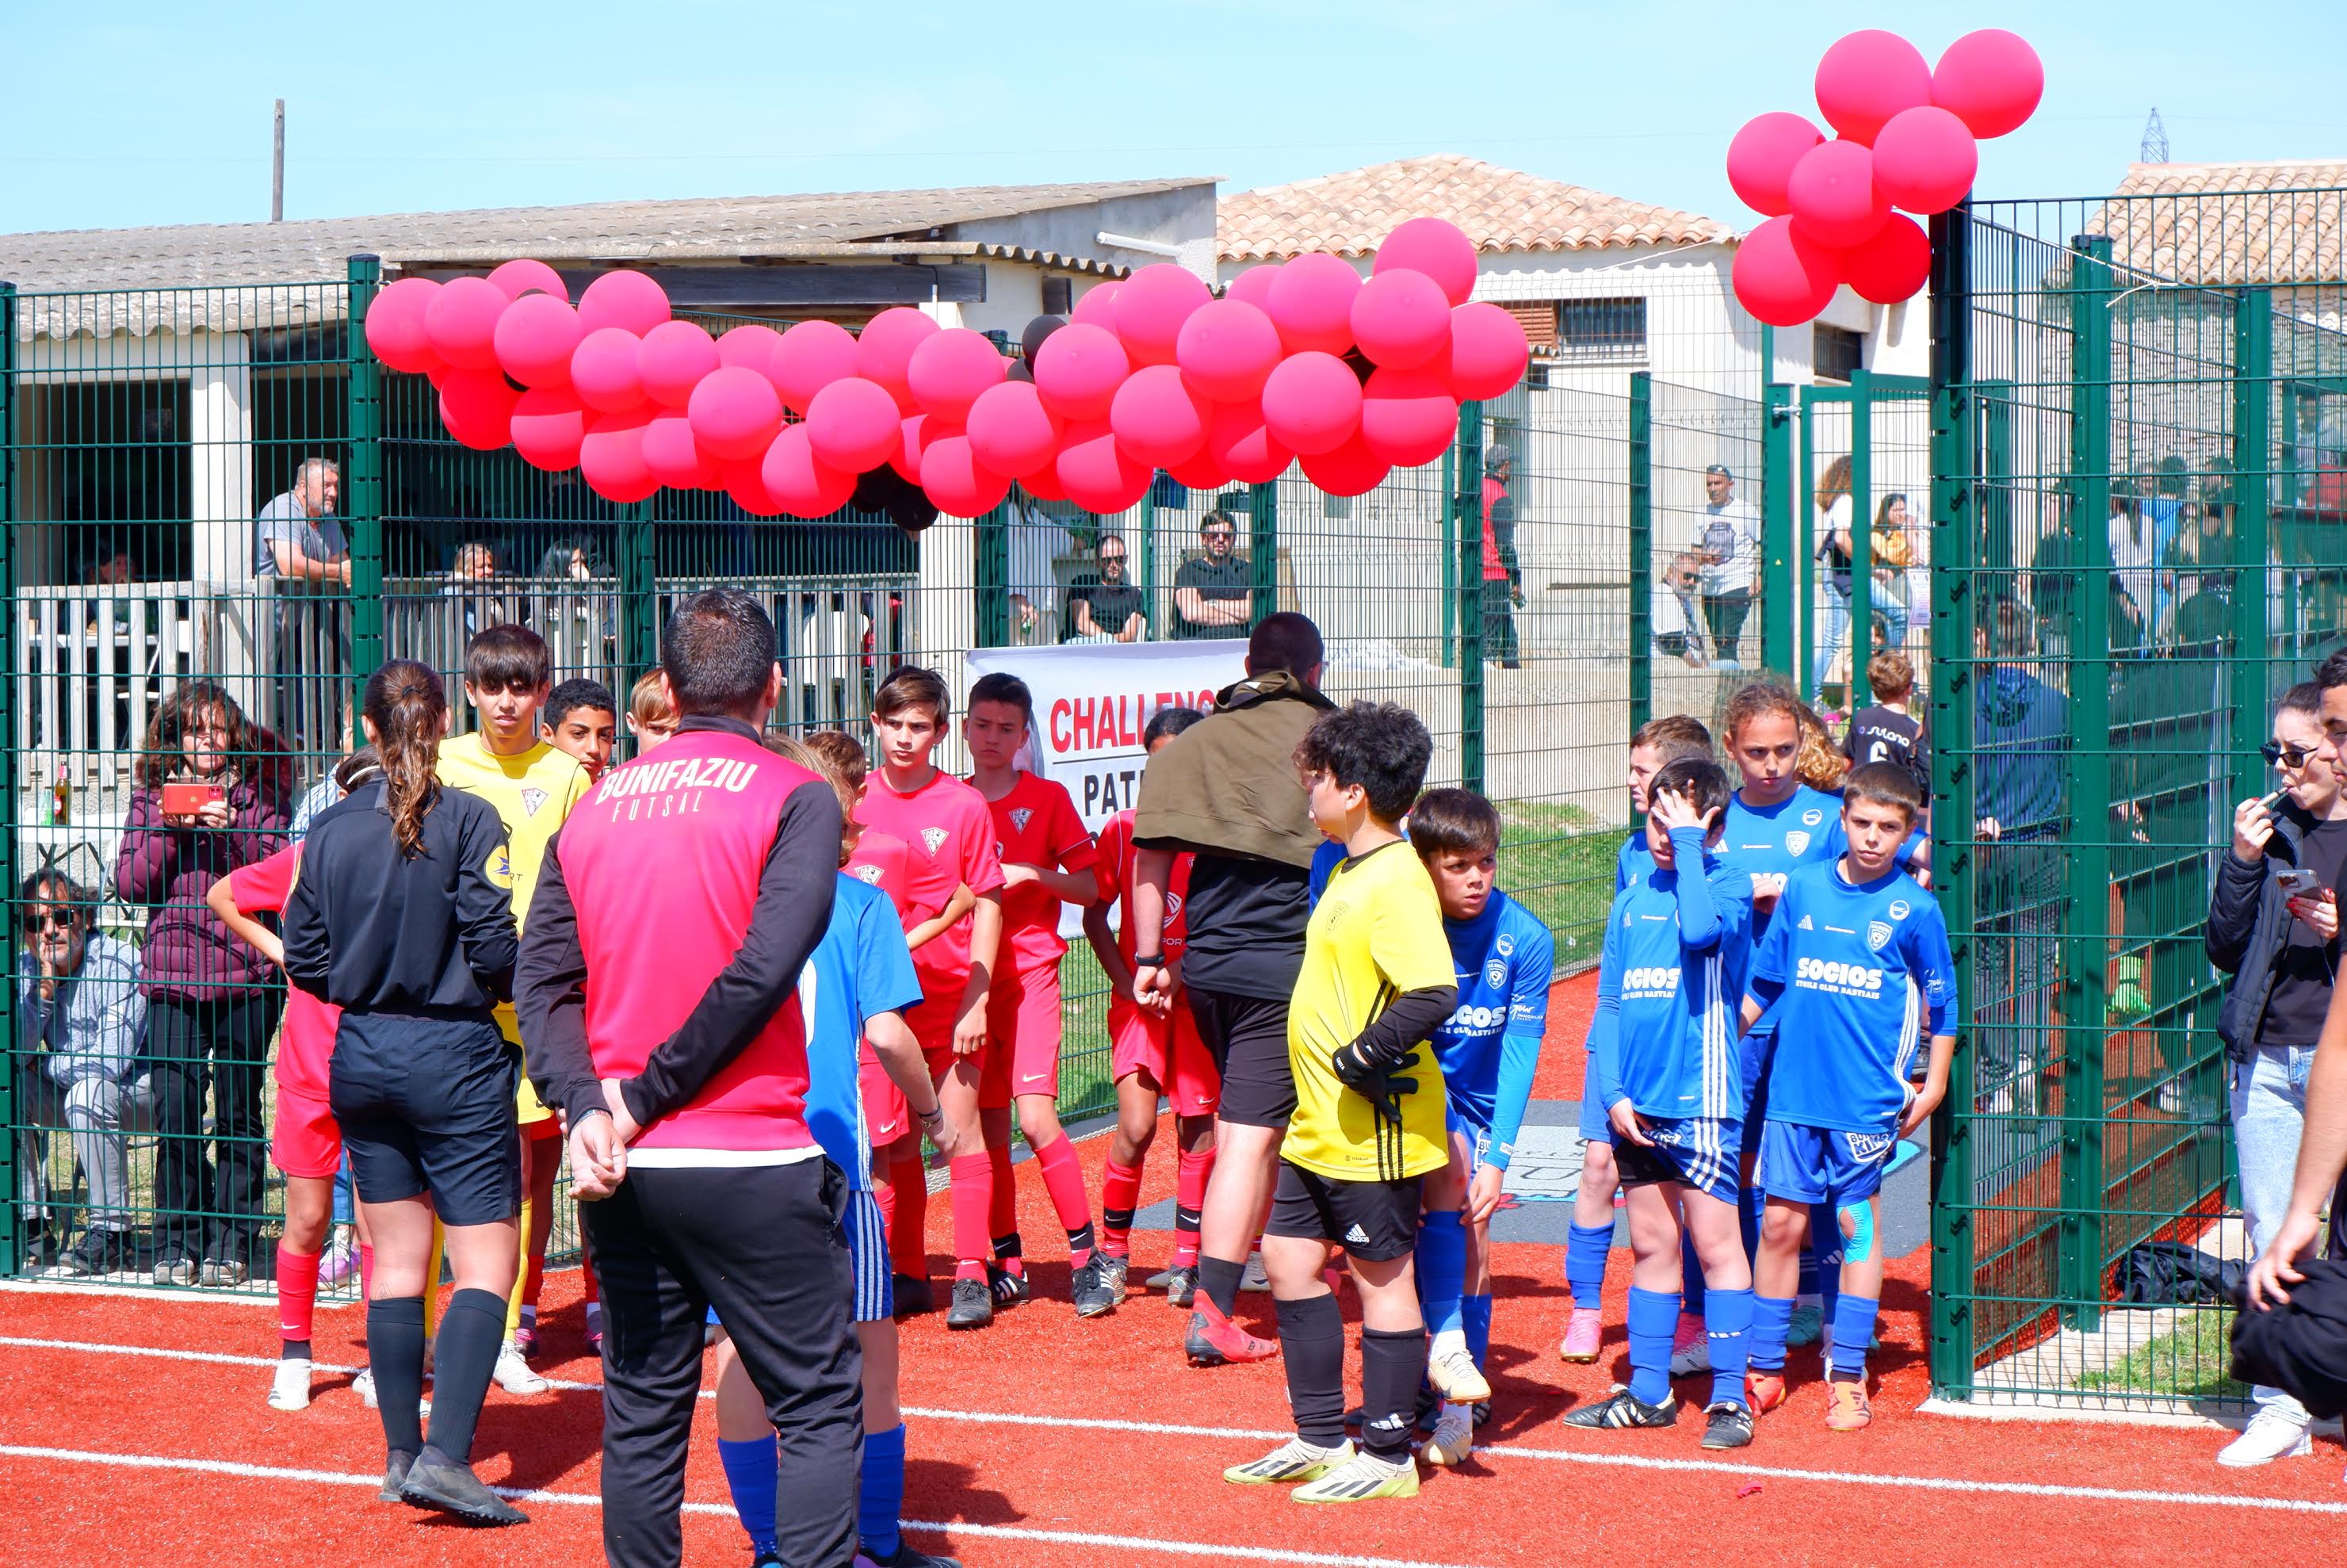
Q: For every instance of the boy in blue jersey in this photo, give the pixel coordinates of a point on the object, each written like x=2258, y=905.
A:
x=1504, y=960
x=1856, y=967
x=857, y=984
x=1676, y=948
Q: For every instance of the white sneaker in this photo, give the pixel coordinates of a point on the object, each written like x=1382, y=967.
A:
x=1255, y=1280
x=289, y=1388
x=363, y=1385
x=513, y=1375
x=1453, y=1437
x=2271, y=1435
x=1454, y=1374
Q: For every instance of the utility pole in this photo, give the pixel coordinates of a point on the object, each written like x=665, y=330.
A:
x=2155, y=138
x=277, y=168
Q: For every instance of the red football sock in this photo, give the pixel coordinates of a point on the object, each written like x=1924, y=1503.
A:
x=909, y=1227
x=297, y=1294
x=1063, y=1178
x=971, y=1179
x=1189, y=1198
x=533, y=1280
x=1120, y=1195
x=366, y=1271
x=1002, y=1213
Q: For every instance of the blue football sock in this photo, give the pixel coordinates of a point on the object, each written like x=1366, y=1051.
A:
x=1764, y=1347
x=1653, y=1317
x=1690, y=1277
x=1753, y=1203
x=1853, y=1326
x=1586, y=1247
x=1441, y=1270
x=752, y=1468
x=1825, y=1255
x=1727, y=1319
x=880, y=1495
x=1477, y=1311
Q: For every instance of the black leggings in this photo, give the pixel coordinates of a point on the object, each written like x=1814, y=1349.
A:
x=210, y=1208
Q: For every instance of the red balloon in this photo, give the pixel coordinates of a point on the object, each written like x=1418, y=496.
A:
x=1893, y=266
x=1924, y=160
x=394, y=325
x=735, y=411
x=1991, y=80
x=1044, y=484
x=1401, y=319
x=1096, y=306
x=747, y=482
x=611, y=458
x=548, y=422
x=462, y=322
x=1078, y=369
x=1243, y=445
x=1407, y=416
x=1311, y=303
x=853, y=424
x=1226, y=348
x=535, y=339
x=1866, y=78
x=912, y=436
x=1150, y=307
x=1011, y=430
x=1312, y=402
x=1155, y=418
x=956, y=481
x=949, y=369
x=801, y=482
x=603, y=371
x=1098, y=474
x=1783, y=279
x=884, y=353
x=1200, y=473
x=476, y=405
x=1435, y=247
x=1762, y=157
x=671, y=360
x=672, y=454
x=629, y=301
x=748, y=347
x=811, y=356
x=1254, y=286
x=522, y=275
x=1835, y=201
x=1488, y=351
x=1348, y=470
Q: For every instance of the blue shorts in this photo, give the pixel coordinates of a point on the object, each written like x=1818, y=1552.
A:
x=1697, y=1151
x=1595, y=1128
x=1823, y=1165
x=867, y=1260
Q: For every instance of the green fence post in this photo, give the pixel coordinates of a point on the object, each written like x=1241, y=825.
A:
x=1450, y=554
x=1954, y=794
x=639, y=600
x=1805, y=545
x=1263, y=552
x=1642, y=548
x=991, y=578
x=10, y=1253
x=1140, y=559
x=1470, y=595
x=1861, y=536
x=362, y=492
x=2252, y=531
x=2084, y=979
x=1778, y=486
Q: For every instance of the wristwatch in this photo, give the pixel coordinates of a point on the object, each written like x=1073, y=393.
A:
x=1149, y=962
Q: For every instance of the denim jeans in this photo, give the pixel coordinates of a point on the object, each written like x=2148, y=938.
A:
x=1834, y=630
x=2268, y=1114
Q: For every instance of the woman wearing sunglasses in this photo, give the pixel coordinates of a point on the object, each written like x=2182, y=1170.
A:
x=2273, y=924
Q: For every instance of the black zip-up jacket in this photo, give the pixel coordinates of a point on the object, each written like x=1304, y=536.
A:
x=2247, y=921
x=373, y=930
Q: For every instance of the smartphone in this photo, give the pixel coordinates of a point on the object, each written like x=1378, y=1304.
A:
x=2297, y=882
x=186, y=799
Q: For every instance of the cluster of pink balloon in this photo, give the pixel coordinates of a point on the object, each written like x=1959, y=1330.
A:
x=1907, y=140
x=1305, y=361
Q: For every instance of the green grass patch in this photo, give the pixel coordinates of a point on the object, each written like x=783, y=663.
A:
x=1558, y=862
x=2188, y=1362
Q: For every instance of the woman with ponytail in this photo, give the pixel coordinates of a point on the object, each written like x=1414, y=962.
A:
x=403, y=917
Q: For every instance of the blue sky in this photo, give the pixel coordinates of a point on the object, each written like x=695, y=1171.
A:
x=130, y=112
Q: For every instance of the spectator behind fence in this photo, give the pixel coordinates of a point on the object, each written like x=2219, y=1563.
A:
x=213, y=1001
x=1214, y=594
x=1888, y=731
x=1033, y=540
x=1503, y=581
x=2273, y=925
x=2021, y=734
x=80, y=1021
x=296, y=537
x=1833, y=557
x=470, y=576
x=1730, y=542
x=1106, y=607
x=1890, y=544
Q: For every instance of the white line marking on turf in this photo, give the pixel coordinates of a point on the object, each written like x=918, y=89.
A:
x=1166, y=1547
x=1236, y=1434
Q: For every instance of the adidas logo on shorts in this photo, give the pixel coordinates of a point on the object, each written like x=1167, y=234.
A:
x=1354, y=1235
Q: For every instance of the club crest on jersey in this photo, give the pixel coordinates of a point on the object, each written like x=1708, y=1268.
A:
x=1020, y=815
x=1812, y=817
x=499, y=869
x=1796, y=841
x=933, y=838
x=1495, y=974
x=1172, y=905
x=1505, y=947
x=867, y=875
x=531, y=799
x=1877, y=935
x=1899, y=908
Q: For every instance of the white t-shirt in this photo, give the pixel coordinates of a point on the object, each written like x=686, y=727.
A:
x=1731, y=532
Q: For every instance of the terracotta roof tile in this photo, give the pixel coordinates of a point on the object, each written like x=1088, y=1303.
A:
x=2227, y=223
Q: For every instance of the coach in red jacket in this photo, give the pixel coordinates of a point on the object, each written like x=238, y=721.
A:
x=674, y=912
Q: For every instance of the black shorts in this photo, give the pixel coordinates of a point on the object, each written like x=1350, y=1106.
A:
x=427, y=1106
x=1373, y=1221
x=1248, y=1038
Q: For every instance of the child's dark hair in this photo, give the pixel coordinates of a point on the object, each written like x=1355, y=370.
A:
x=1884, y=784
x=910, y=686
x=575, y=696
x=361, y=766
x=1166, y=722
x=1702, y=782
x=1006, y=689
x=1675, y=735
x=507, y=659
x=1453, y=822
x=1380, y=746
x=408, y=708
x=1891, y=677
x=842, y=752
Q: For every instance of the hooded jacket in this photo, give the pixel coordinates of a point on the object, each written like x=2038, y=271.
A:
x=2247, y=920
x=1227, y=785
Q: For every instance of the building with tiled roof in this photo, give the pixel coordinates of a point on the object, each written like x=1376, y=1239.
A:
x=2227, y=224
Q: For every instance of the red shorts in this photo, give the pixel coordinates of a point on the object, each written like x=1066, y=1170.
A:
x=932, y=1023
x=306, y=1141
x=1022, y=1031
x=887, y=1117
x=1141, y=1041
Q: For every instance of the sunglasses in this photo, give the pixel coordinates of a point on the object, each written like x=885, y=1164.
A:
x=2275, y=753
x=1221, y=534
x=51, y=920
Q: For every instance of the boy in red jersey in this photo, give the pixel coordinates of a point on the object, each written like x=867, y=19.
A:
x=951, y=836
x=1047, y=861
x=1152, y=1054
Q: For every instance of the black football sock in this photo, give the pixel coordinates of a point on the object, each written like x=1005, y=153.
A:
x=1312, y=1344
x=396, y=1356
x=471, y=1331
x=1393, y=1363
x=1219, y=1278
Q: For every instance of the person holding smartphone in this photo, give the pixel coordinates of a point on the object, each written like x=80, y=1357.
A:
x=2273, y=924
